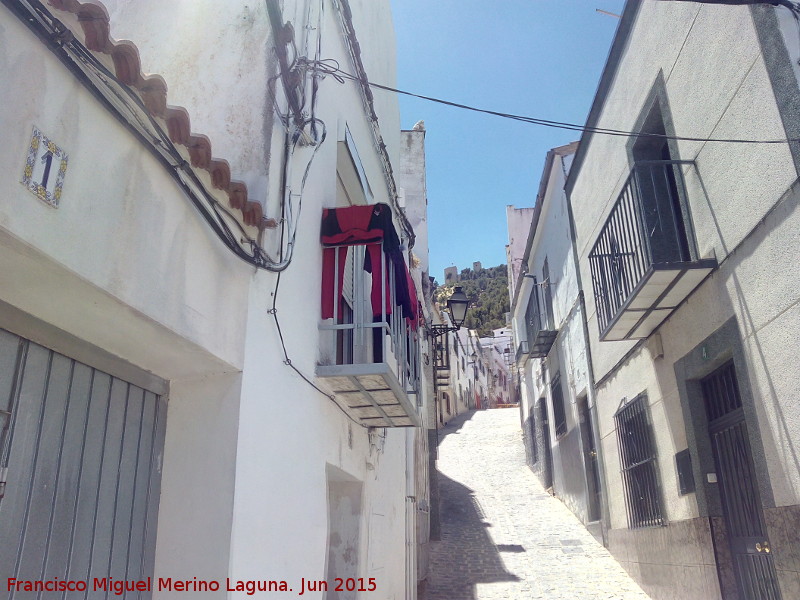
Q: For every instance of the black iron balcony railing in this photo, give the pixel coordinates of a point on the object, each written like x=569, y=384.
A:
x=644, y=262
x=541, y=332
x=441, y=356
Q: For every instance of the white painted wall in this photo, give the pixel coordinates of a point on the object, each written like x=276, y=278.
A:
x=127, y=265
x=412, y=177
x=495, y=363
x=569, y=356
x=518, y=221
x=279, y=510
x=462, y=371
x=215, y=61
x=739, y=104
x=122, y=229
x=717, y=86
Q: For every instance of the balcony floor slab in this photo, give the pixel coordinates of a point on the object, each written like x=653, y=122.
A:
x=371, y=394
x=658, y=294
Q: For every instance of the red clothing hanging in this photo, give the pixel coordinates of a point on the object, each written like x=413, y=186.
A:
x=356, y=226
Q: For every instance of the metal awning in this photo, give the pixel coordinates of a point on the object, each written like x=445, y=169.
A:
x=542, y=343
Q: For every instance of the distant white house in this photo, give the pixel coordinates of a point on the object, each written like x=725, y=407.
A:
x=518, y=221
x=499, y=355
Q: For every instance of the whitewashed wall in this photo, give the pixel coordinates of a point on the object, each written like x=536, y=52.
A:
x=739, y=103
x=552, y=241
x=518, y=221
x=122, y=228
x=127, y=265
x=715, y=89
x=248, y=441
x=412, y=177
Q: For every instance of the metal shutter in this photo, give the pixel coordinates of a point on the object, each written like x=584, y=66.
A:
x=83, y=451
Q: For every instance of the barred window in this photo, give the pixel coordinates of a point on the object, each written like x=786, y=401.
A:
x=559, y=412
x=534, y=445
x=637, y=456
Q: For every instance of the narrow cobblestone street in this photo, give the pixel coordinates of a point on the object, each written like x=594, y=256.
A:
x=503, y=536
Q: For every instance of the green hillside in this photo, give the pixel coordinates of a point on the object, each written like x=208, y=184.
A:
x=487, y=291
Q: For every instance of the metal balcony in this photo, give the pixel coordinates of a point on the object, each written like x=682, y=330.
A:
x=370, y=361
x=541, y=333
x=522, y=353
x=644, y=262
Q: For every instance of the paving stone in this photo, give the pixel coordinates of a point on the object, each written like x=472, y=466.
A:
x=503, y=536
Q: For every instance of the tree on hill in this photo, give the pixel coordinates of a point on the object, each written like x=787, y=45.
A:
x=487, y=291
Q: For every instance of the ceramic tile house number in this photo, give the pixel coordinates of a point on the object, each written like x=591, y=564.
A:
x=45, y=168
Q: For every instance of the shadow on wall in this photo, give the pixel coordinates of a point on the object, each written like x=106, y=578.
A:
x=782, y=213
x=740, y=305
x=466, y=556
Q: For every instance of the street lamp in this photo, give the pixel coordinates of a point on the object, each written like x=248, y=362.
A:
x=456, y=309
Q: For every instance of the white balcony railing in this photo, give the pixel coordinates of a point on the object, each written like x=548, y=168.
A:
x=370, y=346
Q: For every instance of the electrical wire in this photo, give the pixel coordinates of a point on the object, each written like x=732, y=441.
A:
x=288, y=361
x=315, y=77
x=129, y=109
x=336, y=71
x=792, y=5
x=107, y=78
x=288, y=215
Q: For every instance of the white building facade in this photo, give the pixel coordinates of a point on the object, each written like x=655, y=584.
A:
x=557, y=400
x=498, y=356
x=179, y=401
x=518, y=222
x=687, y=252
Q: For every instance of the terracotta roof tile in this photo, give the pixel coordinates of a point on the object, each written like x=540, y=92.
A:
x=154, y=95
x=237, y=192
x=220, y=173
x=178, y=125
x=199, y=151
x=95, y=23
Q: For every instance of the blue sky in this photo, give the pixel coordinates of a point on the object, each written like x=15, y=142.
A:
x=540, y=58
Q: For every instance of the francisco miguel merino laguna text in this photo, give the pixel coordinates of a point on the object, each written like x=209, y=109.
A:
x=250, y=586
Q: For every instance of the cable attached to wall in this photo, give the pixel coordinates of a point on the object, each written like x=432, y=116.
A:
x=318, y=134
x=288, y=361
x=331, y=69
x=127, y=107
x=294, y=124
x=130, y=111
x=290, y=244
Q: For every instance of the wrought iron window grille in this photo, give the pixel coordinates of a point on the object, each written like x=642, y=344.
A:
x=559, y=410
x=637, y=454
